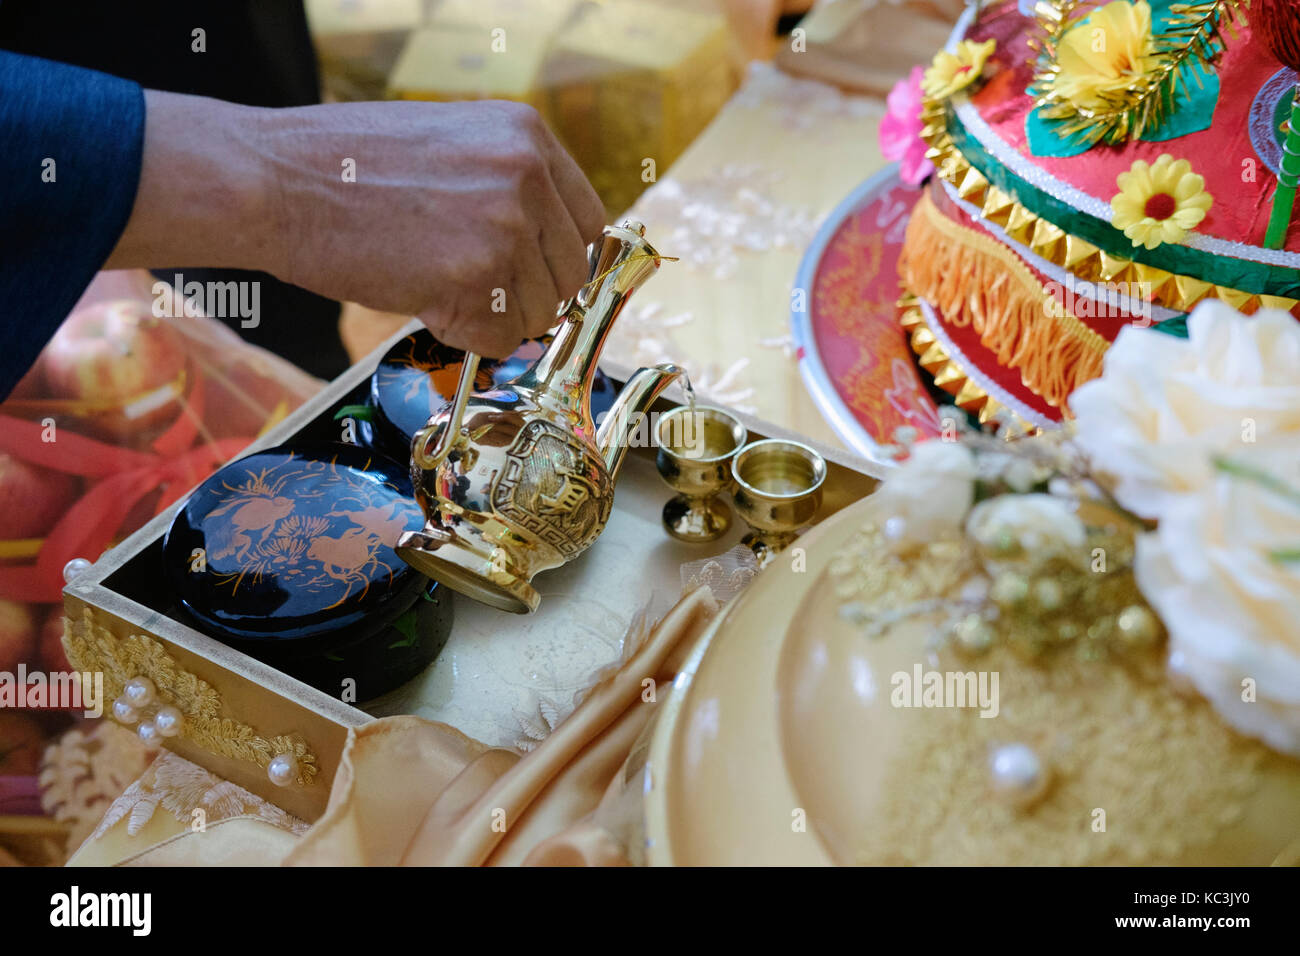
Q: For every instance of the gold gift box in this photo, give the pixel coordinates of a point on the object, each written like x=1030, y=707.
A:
x=240, y=713
x=481, y=49
x=620, y=83
x=632, y=81
x=449, y=63
x=358, y=41
x=541, y=17
x=356, y=17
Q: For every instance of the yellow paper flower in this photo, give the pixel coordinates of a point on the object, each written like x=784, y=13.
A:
x=1159, y=203
x=951, y=72
x=1100, y=57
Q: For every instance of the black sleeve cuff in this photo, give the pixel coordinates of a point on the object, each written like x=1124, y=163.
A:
x=71, y=142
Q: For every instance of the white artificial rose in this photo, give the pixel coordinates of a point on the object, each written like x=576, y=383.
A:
x=1041, y=524
x=929, y=494
x=1164, y=406
x=1216, y=571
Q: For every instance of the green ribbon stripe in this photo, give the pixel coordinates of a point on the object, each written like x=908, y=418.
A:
x=1257, y=278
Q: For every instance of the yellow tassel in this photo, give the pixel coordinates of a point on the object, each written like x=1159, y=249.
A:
x=976, y=281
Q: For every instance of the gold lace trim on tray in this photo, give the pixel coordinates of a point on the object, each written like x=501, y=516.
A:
x=92, y=647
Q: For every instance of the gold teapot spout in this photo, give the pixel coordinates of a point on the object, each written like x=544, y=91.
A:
x=625, y=417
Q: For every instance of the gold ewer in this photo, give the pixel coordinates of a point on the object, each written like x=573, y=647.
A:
x=519, y=479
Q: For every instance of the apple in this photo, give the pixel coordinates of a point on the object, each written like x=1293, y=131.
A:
x=120, y=353
x=32, y=498
x=17, y=636
x=21, y=742
x=49, y=643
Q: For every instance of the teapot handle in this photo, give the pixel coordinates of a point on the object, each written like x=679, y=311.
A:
x=454, y=429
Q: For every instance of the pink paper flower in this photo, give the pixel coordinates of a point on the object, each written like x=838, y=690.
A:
x=900, y=130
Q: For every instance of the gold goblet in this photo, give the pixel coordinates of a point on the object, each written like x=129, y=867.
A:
x=695, y=460
x=778, y=491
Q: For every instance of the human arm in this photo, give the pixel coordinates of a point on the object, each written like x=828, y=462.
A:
x=418, y=208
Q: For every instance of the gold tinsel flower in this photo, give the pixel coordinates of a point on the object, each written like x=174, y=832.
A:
x=950, y=72
x=1159, y=203
x=1100, y=58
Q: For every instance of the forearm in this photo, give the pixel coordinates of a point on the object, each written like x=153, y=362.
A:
x=205, y=198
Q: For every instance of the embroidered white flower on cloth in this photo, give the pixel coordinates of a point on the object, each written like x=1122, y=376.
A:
x=1164, y=406
x=180, y=787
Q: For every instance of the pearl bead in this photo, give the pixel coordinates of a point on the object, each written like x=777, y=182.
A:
x=1137, y=626
x=1018, y=775
x=74, y=568
x=895, y=528
x=168, y=721
x=283, y=769
x=124, y=712
x=148, y=733
x=139, y=691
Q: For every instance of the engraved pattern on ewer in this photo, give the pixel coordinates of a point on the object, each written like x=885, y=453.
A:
x=546, y=487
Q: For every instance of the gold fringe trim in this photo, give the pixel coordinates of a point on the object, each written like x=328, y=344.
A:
x=1076, y=255
x=92, y=647
x=975, y=280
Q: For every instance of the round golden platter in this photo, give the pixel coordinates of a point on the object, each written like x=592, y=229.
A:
x=781, y=745
x=718, y=790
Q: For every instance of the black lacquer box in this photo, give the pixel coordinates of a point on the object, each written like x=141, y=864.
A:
x=287, y=555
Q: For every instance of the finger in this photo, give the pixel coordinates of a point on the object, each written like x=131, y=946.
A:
x=585, y=208
x=562, y=247
x=474, y=328
x=535, y=294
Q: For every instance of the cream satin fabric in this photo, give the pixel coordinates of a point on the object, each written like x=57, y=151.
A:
x=416, y=793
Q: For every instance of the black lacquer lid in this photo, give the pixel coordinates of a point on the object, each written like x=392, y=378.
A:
x=294, y=546
x=418, y=376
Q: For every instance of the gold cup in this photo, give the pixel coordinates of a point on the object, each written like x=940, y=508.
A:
x=778, y=491
x=695, y=460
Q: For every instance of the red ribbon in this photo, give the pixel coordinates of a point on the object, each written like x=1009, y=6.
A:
x=126, y=477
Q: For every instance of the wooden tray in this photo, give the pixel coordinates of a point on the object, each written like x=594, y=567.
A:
x=499, y=674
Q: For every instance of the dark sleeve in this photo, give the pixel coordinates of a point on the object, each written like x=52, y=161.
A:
x=70, y=146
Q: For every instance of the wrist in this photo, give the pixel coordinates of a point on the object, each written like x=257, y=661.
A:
x=206, y=196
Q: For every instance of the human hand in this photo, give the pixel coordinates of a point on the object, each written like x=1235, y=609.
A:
x=469, y=215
